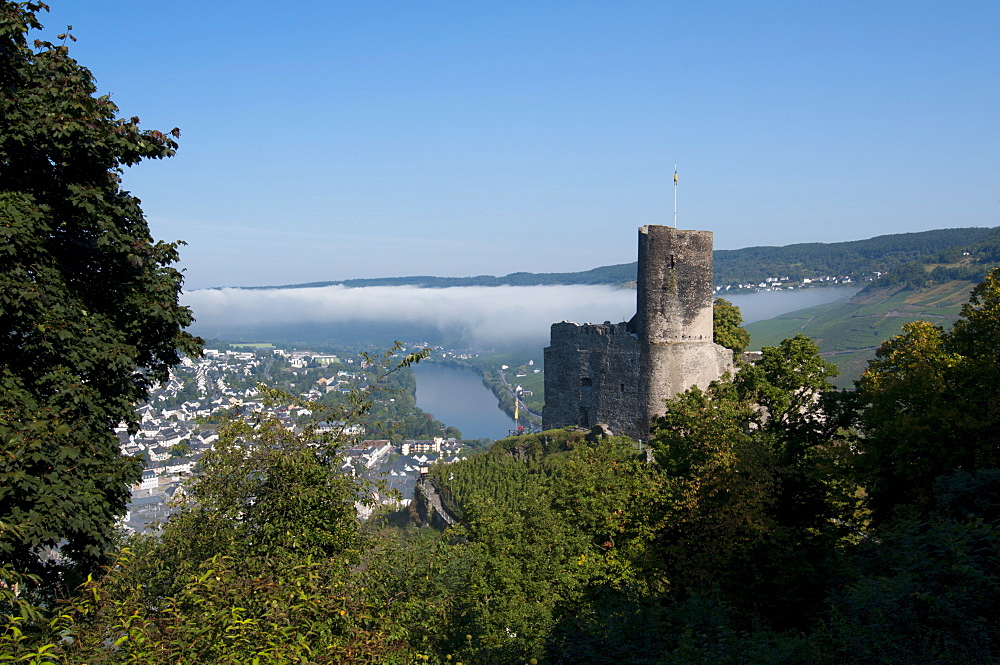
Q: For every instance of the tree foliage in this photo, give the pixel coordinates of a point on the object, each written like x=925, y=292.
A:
x=728, y=330
x=255, y=566
x=89, y=313
x=930, y=407
x=758, y=504
x=745, y=543
x=547, y=542
x=927, y=588
x=259, y=563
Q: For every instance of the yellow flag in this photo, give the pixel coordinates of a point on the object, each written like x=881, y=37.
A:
x=675, y=178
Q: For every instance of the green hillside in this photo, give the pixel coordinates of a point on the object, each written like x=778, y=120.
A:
x=848, y=331
x=931, y=286
x=856, y=258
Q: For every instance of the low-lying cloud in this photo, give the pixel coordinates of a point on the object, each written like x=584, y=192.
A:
x=479, y=315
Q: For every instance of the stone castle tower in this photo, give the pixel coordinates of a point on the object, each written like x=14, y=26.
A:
x=619, y=374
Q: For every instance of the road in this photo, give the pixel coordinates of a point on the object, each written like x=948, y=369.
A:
x=521, y=405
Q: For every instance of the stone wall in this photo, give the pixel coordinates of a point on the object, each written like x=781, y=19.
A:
x=592, y=376
x=674, y=285
x=619, y=374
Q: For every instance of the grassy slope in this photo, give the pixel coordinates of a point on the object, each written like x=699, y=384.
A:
x=848, y=331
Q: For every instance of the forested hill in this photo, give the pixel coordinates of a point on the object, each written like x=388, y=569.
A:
x=856, y=258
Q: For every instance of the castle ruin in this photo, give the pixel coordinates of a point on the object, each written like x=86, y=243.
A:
x=619, y=374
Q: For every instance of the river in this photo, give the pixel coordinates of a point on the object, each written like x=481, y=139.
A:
x=457, y=397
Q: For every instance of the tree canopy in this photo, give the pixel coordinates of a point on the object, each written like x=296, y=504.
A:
x=746, y=540
x=728, y=331
x=755, y=506
x=89, y=313
x=930, y=403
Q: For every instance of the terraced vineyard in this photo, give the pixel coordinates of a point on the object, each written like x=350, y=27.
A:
x=848, y=331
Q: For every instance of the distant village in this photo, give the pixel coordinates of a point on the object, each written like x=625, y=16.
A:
x=788, y=284
x=179, y=424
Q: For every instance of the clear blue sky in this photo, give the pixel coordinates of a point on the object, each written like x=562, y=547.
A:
x=330, y=140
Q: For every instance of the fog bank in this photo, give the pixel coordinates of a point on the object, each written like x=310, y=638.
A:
x=481, y=316
x=477, y=316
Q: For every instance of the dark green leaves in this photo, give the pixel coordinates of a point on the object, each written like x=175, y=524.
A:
x=930, y=403
x=89, y=317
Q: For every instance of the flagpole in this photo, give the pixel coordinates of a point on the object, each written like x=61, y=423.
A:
x=675, y=195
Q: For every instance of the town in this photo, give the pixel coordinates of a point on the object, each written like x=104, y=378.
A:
x=180, y=423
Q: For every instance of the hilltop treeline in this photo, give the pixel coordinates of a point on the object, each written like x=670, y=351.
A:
x=617, y=274
x=855, y=258
x=969, y=263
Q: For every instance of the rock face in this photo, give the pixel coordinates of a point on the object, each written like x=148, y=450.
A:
x=619, y=374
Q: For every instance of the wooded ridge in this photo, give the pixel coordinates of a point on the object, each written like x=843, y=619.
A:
x=856, y=258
